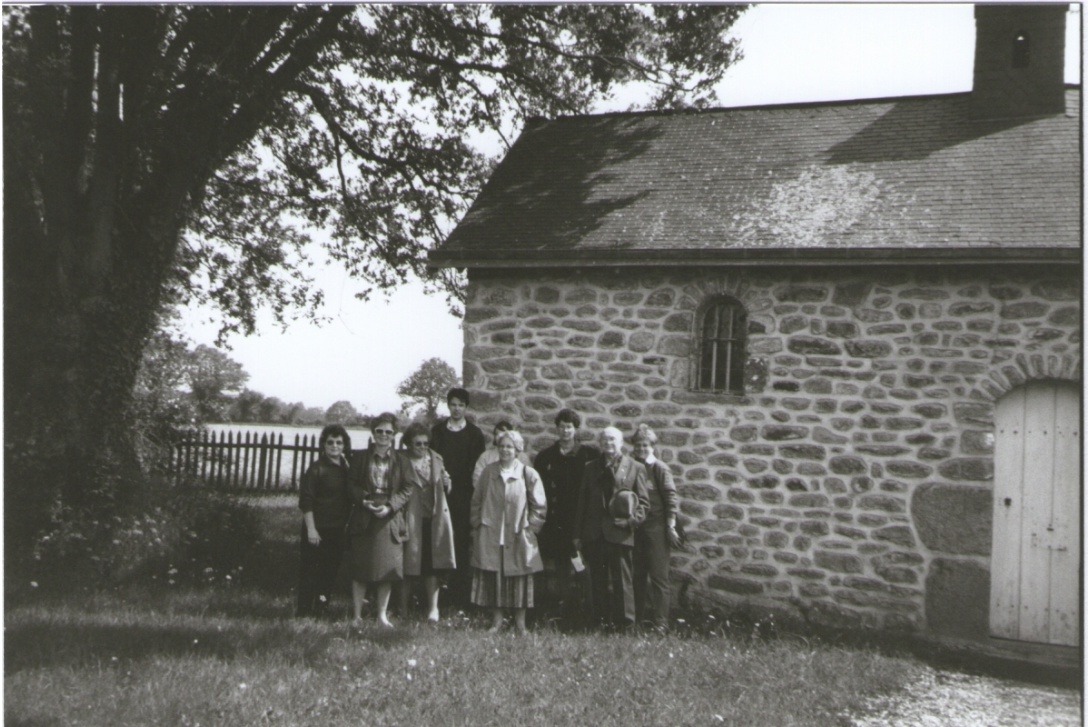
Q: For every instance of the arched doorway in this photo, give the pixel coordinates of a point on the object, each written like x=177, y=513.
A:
x=1035, y=529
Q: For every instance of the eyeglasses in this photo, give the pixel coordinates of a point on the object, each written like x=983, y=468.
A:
x=384, y=431
x=420, y=443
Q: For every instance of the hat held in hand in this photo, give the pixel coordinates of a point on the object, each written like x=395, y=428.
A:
x=623, y=504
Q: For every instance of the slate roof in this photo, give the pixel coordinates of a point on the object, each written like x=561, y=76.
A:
x=903, y=177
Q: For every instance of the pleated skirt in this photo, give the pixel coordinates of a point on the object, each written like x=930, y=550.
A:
x=494, y=589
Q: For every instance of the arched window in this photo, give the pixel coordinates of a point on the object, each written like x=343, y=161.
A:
x=722, y=346
x=1020, y=50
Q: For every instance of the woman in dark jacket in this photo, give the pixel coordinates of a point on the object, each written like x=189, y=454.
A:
x=657, y=534
x=377, y=529
x=325, y=502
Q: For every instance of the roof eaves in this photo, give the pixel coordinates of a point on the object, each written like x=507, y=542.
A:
x=753, y=257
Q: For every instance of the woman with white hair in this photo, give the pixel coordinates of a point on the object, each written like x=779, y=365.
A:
x=506, y=513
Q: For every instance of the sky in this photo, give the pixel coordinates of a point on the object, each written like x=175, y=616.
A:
x=793, y=53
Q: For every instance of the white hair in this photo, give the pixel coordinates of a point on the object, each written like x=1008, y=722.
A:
x=514, y=436
x=613, y=433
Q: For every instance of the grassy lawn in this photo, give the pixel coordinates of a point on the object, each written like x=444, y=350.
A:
x=226, y=652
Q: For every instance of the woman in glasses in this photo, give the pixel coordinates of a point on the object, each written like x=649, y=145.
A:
x=325, y=502
x=377, y=529
x=506, y=513
x=429, y=549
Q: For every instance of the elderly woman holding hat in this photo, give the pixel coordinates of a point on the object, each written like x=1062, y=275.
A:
x=612, y=504
x=506, y=513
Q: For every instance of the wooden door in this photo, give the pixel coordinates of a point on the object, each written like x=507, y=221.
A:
x=1035, y=531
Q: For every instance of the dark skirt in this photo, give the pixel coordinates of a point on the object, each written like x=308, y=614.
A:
x=494, y=589
x=376, y=558
x=426, y=567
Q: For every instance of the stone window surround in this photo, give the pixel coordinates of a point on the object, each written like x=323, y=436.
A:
x=711, y=301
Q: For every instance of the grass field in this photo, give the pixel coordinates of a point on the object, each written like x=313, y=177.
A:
x=224, y=650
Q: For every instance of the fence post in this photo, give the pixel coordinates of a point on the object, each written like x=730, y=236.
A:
x=190, y=455
x=279, y=455
x=220, y=458
x=232, y=468
x=245, y=462
x=206, y=452
x=263, y=453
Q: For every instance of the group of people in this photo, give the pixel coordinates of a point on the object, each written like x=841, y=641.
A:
x=589, y=527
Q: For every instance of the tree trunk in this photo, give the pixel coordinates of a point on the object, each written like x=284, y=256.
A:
x=72, y=359
x=115, y=120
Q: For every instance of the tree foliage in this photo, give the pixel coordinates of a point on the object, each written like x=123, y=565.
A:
x=181, y=152
x=341, y=412
x=428, y=387
x=213, y=377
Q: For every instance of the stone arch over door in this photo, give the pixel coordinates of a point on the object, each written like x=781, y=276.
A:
x=1035, y=562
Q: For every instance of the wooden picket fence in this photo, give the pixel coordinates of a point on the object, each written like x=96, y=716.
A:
x=243, y=460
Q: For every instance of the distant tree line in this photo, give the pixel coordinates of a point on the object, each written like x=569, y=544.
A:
x=181, y=387
x=254, y=407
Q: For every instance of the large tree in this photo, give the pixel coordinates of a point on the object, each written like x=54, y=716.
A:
x=155, y=151
x=341, y=412
x=213, y=378
x=428, y=386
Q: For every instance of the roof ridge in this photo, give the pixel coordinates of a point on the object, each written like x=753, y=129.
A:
x=754, y=107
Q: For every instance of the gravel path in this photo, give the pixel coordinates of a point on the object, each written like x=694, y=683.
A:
x=949, y=699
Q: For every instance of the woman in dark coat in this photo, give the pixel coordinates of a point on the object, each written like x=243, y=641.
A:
x=429, y=549
x=377, y=529
x=325, y=502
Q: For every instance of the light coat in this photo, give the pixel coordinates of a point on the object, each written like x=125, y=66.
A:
x=510, y=512
x=442, y=534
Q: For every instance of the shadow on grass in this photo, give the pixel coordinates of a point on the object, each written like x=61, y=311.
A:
x=32, y=722
x=35, y=645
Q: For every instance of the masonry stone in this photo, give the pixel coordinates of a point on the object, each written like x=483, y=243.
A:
x=953, y=519
x=861, y=445
x=957, y=598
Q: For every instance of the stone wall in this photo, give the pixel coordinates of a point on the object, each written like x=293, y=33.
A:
x=851, y=484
